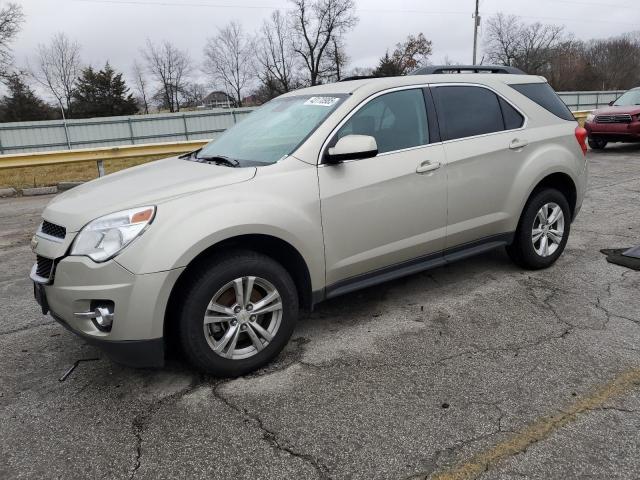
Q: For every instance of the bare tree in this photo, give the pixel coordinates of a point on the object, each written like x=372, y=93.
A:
x=335, y=60
x=615, y=62
x=171, y=68
x=526, y=46
x=316, y=23
x=276, y=56
x=141, y=86
x=57, y=69
x=229, y=60
x=11, y=19
x=194, y=94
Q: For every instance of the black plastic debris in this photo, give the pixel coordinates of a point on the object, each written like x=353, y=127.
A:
x=66, y=374
x=625, y=257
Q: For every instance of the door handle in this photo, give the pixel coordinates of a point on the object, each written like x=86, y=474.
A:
x=427, y=166
x=518, y=143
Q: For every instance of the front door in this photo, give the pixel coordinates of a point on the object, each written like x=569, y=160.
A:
x=382, y=212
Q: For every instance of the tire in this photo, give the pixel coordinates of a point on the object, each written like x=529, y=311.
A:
x=256, y=338
x=531, y=254
x=597, y=143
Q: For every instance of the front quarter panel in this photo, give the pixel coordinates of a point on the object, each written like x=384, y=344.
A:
x=281, y=201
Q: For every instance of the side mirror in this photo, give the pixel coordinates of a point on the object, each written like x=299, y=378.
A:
x=611, y=103
x=352, y=147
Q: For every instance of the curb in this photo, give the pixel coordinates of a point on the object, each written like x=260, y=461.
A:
x=29, y=192
x=64, y=186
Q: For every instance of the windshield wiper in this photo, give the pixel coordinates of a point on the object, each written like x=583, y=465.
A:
x=218, y=160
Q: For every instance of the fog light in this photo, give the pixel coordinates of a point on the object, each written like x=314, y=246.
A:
x=102, y=317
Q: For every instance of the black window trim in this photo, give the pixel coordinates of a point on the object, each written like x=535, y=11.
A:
x=421, y=87
x=499, y=95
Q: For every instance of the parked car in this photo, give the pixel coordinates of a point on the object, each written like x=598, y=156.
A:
x=318, y=193
x=619, y=122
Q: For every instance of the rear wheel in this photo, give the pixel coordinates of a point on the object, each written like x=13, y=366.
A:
x=237, y=314
x=597, y=143
x=543, y=230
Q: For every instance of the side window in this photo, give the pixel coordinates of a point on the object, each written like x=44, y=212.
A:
x=467, y=111
x=396, y=120
x=512, y=118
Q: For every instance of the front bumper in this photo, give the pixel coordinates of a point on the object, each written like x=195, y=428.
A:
x=139, y=304
x=615, y=132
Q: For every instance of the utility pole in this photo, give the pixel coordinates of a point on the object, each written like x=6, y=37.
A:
x=476, y=24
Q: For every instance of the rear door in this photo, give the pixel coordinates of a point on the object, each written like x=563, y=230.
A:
x=379, y=213
x=484, y=144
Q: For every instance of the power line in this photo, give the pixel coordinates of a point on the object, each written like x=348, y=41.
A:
x=377, y=10
x=176, y=4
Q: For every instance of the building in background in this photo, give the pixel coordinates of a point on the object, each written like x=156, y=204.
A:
x=217, y=99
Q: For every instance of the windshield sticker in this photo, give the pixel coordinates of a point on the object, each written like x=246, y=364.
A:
x=322, y=101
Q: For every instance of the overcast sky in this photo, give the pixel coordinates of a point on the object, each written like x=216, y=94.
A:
x=115, y=30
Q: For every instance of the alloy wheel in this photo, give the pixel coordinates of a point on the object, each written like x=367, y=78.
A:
x=243, y=317
x=548, y=229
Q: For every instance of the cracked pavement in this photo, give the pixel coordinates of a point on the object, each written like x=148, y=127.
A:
x=411, y=379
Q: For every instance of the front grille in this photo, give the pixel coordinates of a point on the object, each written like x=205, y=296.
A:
x=44, y=267
x=53, y=230
x=620, y=118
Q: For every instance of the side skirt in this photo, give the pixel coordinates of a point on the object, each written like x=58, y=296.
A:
x=416, y=265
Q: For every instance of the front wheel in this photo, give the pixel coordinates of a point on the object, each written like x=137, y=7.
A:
x=237, y=313
x=597, y=143
x=543, y=230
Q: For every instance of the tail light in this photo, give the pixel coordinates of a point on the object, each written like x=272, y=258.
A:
x=581, y=136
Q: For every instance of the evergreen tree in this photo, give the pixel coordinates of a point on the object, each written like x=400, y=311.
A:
x=22, y=104
x=387, y=67
x=102, y=93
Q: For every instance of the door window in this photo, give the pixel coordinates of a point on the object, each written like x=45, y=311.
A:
x=466, y=111
x=397, y=120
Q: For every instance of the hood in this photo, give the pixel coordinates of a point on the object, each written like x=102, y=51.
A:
x=631, y=110
x=148, y=184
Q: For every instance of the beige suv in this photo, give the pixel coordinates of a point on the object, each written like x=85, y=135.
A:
x=318, y=193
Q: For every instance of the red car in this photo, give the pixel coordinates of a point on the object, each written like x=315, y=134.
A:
x=620, y=122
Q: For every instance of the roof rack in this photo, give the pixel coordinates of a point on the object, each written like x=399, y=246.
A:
x=437, y=69
x=357, y=77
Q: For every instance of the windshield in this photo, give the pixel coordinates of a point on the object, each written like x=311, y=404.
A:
x=274, y=130
x=632, y=97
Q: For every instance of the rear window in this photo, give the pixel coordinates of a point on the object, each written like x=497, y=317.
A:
x=543, y=95
x=467, y=111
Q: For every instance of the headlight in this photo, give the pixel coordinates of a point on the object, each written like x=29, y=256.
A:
x=590, y=117
x=104, y=237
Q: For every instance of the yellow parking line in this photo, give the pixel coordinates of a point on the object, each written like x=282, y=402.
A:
x=540, y=429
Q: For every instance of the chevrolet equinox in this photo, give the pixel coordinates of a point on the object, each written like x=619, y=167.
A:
x=320, y=192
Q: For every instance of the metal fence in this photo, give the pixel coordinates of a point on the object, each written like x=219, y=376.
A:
x=24, y=137
x=589, y=100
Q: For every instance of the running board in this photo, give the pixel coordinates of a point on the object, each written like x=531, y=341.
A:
x=417, y=265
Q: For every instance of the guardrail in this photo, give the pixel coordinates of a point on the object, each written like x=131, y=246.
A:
x=98, y=154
